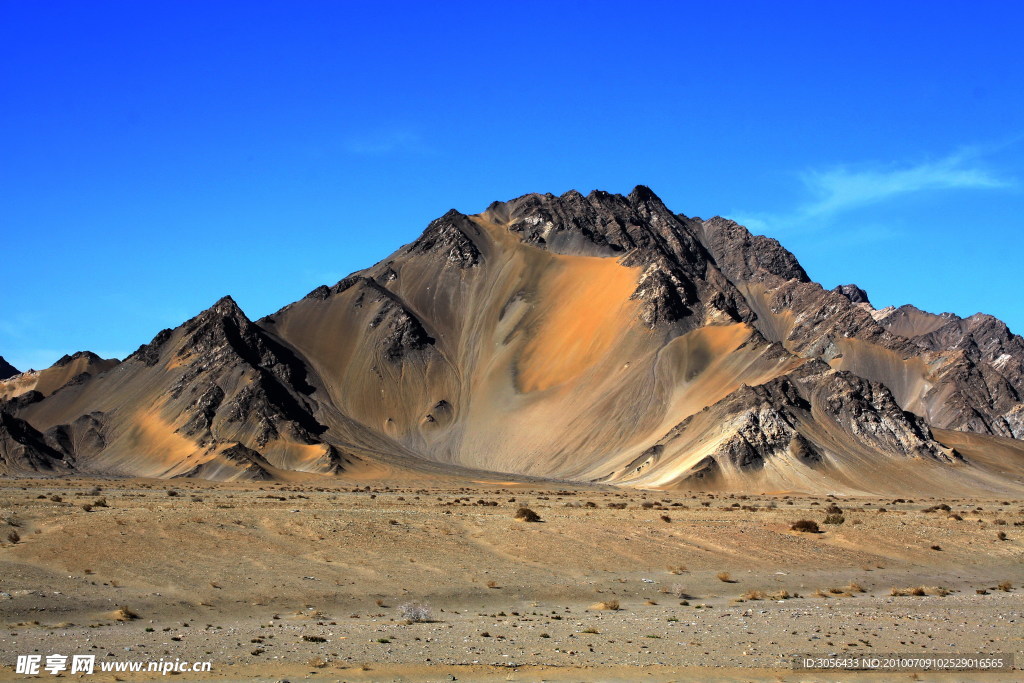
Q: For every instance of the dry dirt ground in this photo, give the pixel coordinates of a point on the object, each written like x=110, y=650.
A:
x=304, y=581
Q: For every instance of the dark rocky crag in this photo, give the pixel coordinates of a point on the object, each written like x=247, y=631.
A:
x=597, y=338
x=7, y=370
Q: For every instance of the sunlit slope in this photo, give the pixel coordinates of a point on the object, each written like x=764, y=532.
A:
x=74, y=368
x=596, y=338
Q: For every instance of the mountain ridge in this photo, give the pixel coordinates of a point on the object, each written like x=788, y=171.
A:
x=561, y=337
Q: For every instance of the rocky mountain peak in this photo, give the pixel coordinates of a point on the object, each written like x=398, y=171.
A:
x=7, y=370
x=558, y=336
x=853, y=293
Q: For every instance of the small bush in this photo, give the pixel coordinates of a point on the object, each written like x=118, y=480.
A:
x=678, y=591
x=100, y=503
x=125, y=614
x=415, y=612
x=724, y=577
x=13, y=537
x=834, y=519
x=1001, y=535
x=527, y=515
x=87, y=507
x=314, y=639
x=805, y=526
x=920, y=590
x=666, y=519
x=1005, y=586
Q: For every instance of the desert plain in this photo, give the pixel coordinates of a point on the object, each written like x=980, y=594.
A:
x=322, y=579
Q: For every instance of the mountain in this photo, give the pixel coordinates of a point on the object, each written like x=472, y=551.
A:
x=69, y=369
x=592, y=338
x=7, y=370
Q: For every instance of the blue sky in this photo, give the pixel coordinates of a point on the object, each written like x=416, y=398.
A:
x=156, y=156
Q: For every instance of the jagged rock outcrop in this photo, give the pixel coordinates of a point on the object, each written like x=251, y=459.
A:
x=7, y=370
x=593, y=338
x=24, y=451
x=853, y=293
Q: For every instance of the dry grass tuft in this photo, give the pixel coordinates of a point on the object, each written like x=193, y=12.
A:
x=525, y=514
x=919, y=591
x=124, y=614
x=415, y=612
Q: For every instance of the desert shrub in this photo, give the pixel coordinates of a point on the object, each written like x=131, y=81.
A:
x=527, y=515
x=87, y=507
x=56, y=499
x=920, y=590
x=1001, y=536
x=100, y=503
x=834, y=519
x=724, y=577
x=13, y=537
x=1005, y=586
x=415, y=612
x=172, y=493
x=678, y=591
x=936, y=547
x=125, y=614
x=805, y=526
x=667, y=519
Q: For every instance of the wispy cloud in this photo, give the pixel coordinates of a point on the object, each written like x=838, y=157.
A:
x=386, y=141
x=833, y=191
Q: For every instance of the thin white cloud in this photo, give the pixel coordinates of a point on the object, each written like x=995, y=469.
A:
x=385, y=141
x=839, y=189
x=842, y=188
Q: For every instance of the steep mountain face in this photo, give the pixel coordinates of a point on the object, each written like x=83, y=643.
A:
x=75, y=368
x=7, y=370
x=594, y=338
